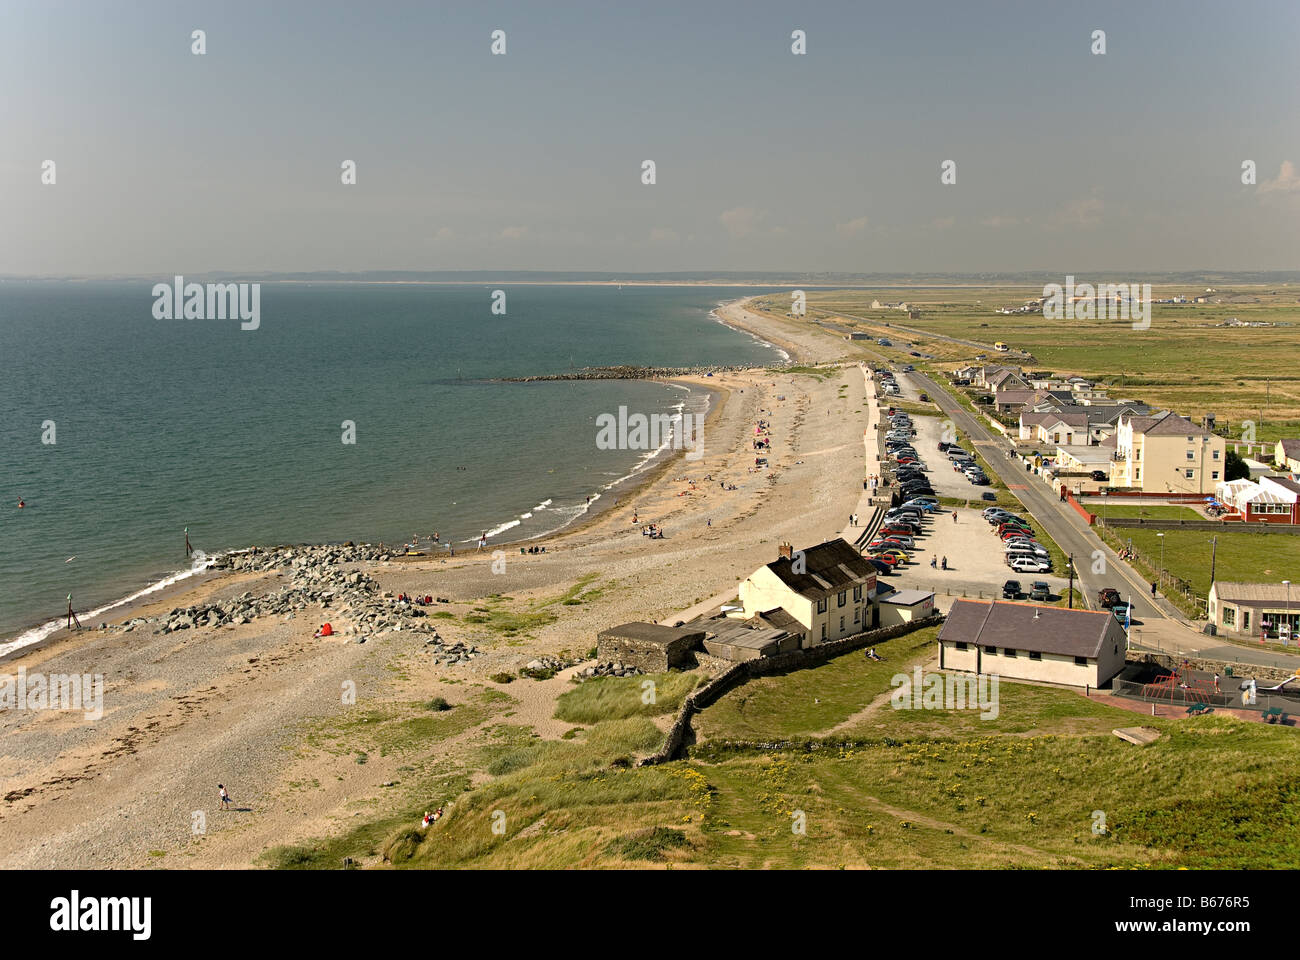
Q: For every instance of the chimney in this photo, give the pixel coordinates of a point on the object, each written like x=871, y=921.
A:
x=786, y=551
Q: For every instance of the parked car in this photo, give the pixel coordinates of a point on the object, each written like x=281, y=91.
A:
x=1011, y=590
x=1039, y=590
x=925, y=398
x=882, y=568
x=885, y=558
x=898, y=554
x=1099, y=475
x=928, y=504
x=988, y=495
x=1107, y=597
x=1124, y=613
x=1031, y=565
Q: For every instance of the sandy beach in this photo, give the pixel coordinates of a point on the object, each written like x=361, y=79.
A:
x=263, y=706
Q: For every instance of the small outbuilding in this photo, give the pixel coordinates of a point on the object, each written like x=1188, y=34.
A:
x=651, y=646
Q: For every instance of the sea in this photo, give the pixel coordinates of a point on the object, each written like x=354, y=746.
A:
x=123, y=433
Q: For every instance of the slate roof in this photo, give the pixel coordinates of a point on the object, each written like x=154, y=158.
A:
x=1058, y=630
x=828, y=568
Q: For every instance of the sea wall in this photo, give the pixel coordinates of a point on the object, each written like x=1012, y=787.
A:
x=711, y=691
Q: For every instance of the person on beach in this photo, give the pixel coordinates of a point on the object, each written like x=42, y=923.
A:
x=21, y=504
x=954, y=516
x=225, y=797
x=943, y=564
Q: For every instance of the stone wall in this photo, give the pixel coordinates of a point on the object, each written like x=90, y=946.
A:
x=711, y=691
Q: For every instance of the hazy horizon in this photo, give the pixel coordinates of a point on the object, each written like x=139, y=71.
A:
x=1066, y=161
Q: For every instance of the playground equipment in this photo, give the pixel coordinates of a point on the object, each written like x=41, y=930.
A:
x=1175, y=687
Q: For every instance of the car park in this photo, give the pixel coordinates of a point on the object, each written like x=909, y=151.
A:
x=1011, y=590
x=1107, y=597
x=1030, y=565
x=1039, y=590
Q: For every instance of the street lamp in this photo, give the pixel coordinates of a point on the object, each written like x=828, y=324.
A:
x=1162, y=557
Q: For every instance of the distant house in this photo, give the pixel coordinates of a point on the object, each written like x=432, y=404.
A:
x=1166, y=454
x=1009, y=401
x=1286, y=455
x=1270, y=610
x=1006, y=379
x=828, y=589
x=1058, y=429
x=1029, y=641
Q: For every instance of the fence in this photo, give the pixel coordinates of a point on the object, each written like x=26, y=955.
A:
x=1190, y=696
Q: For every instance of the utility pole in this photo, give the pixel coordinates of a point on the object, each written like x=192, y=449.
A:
x=1070, y=564
x=1214, y=549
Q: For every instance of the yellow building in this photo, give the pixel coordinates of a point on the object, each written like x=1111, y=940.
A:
x=1166, y=454
x=1286, y=456
x=828, y=589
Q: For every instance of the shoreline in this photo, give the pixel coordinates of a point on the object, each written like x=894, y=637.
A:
x=179, y=583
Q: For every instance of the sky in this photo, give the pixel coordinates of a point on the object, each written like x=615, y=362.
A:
x=1065, y=160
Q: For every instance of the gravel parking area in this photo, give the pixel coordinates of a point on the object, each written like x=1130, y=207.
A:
x=946, y=481
x=975, y=560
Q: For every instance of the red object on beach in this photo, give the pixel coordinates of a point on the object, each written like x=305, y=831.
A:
x=327, y=631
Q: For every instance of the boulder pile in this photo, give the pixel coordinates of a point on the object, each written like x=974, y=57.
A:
x=607, y=669
x=318, y=579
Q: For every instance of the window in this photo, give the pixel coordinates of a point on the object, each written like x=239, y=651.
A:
x=1081, y=661
x=1137, y=473
x=991, y=651
x=1188, y=473
x=823, y=631
x=857, y=615
x=821, y=605
x=1214, y=474
x=1215, y=455
x=1191, y=454
x=1035, y=655
x=857, y=594
x=961, y=644
x=1245, y=619
x=1008, y=652
x=843, y=598
x=841, y=624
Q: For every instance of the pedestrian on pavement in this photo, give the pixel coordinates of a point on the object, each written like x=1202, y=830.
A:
x=1153, y=588
x=954, y=516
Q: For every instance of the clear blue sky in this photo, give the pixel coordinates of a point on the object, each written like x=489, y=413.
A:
x=173, y=163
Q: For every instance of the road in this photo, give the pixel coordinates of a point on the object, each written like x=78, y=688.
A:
x=1061, y=522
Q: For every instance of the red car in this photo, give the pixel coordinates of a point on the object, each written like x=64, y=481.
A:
x=885, y=558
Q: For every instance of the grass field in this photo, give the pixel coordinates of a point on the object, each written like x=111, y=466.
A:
x=1184, y=361
x=1244, y=557
x=890, y=788
x=1153, y=512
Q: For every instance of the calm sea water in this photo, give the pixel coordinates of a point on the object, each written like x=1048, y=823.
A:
x=237, y=435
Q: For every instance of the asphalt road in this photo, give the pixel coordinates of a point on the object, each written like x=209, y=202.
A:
x=1061, y=522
